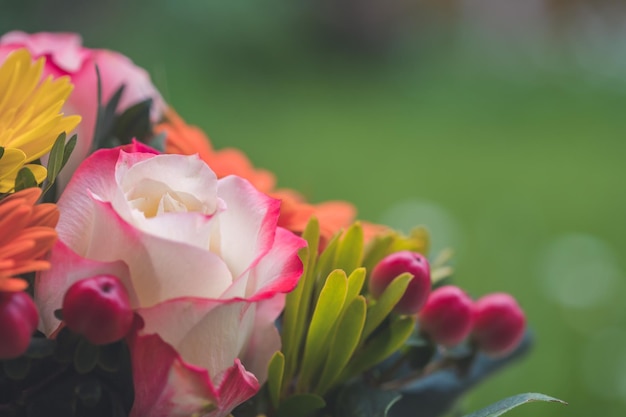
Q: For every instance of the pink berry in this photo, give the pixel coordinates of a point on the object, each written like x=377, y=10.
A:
x=99, y=309
x=499, y=324
x=18, y=322
x=398, y=263
x=447, y=316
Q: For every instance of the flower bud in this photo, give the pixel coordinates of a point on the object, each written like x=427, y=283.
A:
x=99, y=309
x=447, y=316
x=499, y=324
x=18, y=321
x=398, y=263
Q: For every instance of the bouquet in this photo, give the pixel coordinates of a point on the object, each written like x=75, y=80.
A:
x=144, y=273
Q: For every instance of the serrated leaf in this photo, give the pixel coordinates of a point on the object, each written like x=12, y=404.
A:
x=326, y=313
x=300, y=405
x=275, y=377
x=345, y=340
x=25, y=179
x=377, y=311
x=361, y=400
x=503, y=406
x=350, y=249
x=297, y=305
x=381, y=346
x=85, y=357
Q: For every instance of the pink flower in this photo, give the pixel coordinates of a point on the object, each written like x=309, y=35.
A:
x=65, y=55
x=204, y=263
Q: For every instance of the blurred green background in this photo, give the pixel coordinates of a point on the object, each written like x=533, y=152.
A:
x=497, y=123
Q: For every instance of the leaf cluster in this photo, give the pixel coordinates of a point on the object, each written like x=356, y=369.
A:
x=67, y=376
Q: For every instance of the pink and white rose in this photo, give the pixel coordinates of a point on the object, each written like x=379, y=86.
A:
x=205, y=265
x=65, y=56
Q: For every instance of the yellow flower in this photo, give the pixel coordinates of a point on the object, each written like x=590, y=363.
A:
x=30, y=115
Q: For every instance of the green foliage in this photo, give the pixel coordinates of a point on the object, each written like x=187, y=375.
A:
x=275, y=374
x=503, y=406
x=300, y=405
x=59, y=155
x=331, y=331
x=362, y=400
x=25, y=179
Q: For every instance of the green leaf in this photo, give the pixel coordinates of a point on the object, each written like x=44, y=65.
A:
x=25, y=179
x=55, y=161
x=1, y=151
x=275, y=377
x=327, y=310
x=85, y=357
x=296, y=314
x=377, y=311
x=325, y=263
x=361, y=400
x=503, y=406
x=350, y=250
x=345, y=341
x=134, y=122
x=300, y=405
x=69, y=148
x=110, y=357
x=381, y=346
x=355, y=283
x=377, y=249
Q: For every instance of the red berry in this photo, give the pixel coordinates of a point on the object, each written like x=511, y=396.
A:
x=398, y=263
x=18, y=322
x=447, y=316
x=499, y=324
x=99, y=309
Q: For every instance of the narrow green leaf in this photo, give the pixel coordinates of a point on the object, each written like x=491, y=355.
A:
x=1, y=151
x=350, y=250
x=355, y=283
x=503, y=406
x=300, y=405
x=296, y=314
x=325, y=263
x=327, y=310
x=345, y=341
x=377, y=311
x=69, y=148
x=25, y=179
x=55, y=160
x=390, y=339
x=275, y=377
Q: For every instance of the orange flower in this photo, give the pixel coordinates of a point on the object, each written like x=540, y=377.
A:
x=295, y=211
x=27, y=234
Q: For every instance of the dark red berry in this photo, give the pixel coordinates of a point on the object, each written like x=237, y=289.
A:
x=99, y=309
x=447, y=316
x=499, y=324
x=18, y=322
x=398, y=263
